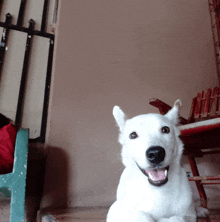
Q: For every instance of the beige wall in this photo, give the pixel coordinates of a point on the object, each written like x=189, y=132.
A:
x=124, y=53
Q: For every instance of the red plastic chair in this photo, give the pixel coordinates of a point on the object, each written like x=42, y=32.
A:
x=200, y=133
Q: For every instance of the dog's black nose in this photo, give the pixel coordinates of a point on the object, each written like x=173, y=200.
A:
x=155, y=154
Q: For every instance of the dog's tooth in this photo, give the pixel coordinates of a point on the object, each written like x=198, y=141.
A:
x=165, y=173
x=151, y=177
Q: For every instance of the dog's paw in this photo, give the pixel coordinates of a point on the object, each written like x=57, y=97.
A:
x=172, y=219
x=202, y=212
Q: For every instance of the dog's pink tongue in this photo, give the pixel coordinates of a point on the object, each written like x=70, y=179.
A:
x=156, y=175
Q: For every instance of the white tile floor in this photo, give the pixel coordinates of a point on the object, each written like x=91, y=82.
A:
x=96, y=214
x=99, y=215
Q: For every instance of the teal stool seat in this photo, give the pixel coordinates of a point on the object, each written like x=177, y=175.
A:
x=14, y=184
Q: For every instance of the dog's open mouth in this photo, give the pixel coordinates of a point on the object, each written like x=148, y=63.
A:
x=157, y=177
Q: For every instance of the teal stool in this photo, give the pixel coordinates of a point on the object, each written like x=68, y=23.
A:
x=14, y=184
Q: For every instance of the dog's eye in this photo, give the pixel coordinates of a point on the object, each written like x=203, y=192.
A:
x=133, y=135
x=165, y=129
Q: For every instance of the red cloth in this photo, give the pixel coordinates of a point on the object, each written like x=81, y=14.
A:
x=7, y=144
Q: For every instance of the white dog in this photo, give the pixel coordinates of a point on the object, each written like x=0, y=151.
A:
x=153, y=186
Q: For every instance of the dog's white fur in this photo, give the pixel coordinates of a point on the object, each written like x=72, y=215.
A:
x=137, y=199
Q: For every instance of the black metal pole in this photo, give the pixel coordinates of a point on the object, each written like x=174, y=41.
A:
x=47, y=92
x=18, y=118
x=4, y=39
x=44, y=16
x=21, y=12
x=24, y=29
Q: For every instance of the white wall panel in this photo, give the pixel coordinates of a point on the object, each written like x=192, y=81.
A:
x=11, y=73
x=12, y=7
x=35, y=86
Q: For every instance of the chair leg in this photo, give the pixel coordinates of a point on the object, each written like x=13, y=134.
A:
x=17, y=205
x=195, y=172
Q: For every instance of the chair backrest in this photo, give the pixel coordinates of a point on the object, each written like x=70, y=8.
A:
x=16, y=180
x=205, y=106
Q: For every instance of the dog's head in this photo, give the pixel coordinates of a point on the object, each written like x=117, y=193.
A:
x=150, y=142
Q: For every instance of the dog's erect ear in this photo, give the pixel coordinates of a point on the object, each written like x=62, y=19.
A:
x=119, y=117
x=173, y=114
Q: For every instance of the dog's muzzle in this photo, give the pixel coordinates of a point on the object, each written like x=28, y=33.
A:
x=156, y=176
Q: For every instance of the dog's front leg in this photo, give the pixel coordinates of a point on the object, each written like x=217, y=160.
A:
x=119, y=213
x=130, y=216
x=143, y=217
x=177, y=219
